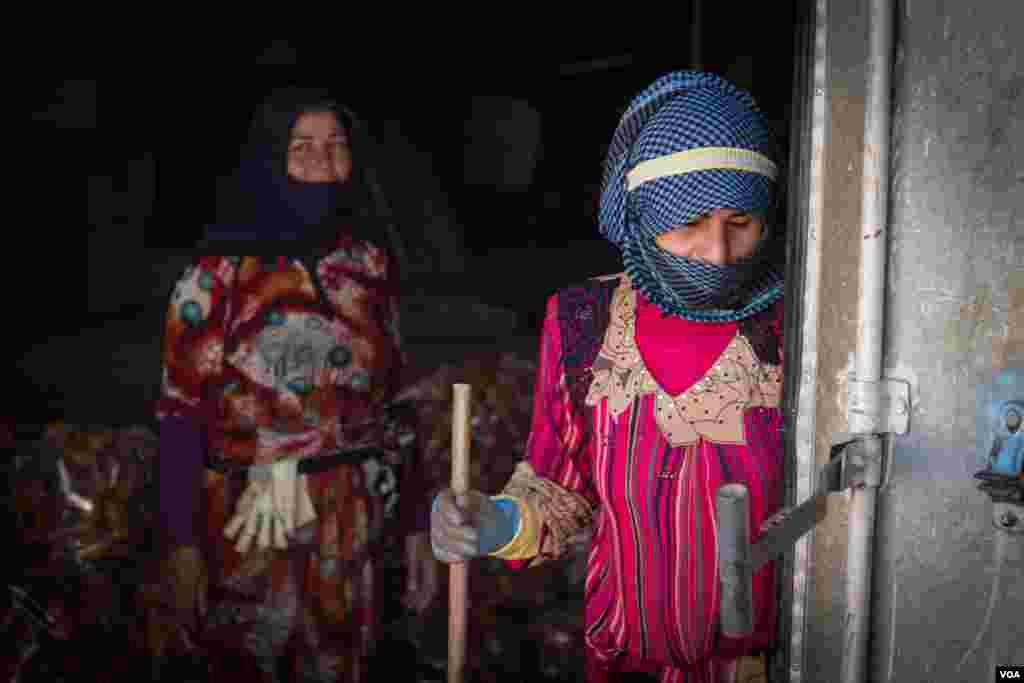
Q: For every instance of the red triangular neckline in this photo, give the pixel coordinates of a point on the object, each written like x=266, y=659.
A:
x=677, y=352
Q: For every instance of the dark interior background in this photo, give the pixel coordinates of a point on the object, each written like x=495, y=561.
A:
x=185, y=111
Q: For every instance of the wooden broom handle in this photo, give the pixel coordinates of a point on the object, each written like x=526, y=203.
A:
x=458, y=573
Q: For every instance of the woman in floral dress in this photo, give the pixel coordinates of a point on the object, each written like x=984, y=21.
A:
x=282, y=451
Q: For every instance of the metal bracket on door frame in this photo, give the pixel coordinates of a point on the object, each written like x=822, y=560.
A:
x=881, y=407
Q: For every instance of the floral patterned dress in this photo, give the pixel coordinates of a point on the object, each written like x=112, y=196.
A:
x=278, y=364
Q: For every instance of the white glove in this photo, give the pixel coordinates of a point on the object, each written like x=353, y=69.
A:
x=275, y=503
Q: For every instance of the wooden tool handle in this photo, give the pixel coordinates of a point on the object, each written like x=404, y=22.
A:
x=459, y=572
x=460, y=438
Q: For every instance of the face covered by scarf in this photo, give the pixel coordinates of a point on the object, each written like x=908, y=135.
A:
x=264, y=211
x=689, y=144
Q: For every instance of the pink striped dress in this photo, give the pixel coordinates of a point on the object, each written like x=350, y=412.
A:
x=643, y=417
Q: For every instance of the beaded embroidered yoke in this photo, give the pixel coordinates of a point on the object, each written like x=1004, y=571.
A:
x=711, y=409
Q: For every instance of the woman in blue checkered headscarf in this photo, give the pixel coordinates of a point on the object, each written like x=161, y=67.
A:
x=655, y=387
x=689, y=144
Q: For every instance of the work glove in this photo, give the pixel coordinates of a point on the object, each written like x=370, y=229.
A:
x=479, y=527
x=275, y=503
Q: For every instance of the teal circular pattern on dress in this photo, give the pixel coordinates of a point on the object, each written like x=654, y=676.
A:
x=191, y=312
x=360, y=380
x=339, y=356
x=301, y=387
x=206, y=281
x=329, y=566
x=274, y=318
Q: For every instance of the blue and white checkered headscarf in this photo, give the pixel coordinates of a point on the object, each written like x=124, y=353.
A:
x=689, y=144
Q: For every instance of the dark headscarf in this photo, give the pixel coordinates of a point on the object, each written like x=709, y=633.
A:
x=262, y=211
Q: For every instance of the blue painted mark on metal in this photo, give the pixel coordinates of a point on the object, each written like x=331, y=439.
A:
x=1000, y=411
x=1010, y=458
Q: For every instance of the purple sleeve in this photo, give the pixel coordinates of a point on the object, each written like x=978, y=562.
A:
x=415, y=499
x=556, y=445
x=182, y=454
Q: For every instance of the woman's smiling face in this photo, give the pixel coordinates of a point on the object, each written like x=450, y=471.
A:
x=318, y=149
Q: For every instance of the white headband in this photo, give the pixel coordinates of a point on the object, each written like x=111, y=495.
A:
x=701, y=159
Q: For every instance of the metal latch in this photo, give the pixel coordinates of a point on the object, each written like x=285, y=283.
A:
x=881, y=407
x=780, y=531
x=738, y=558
